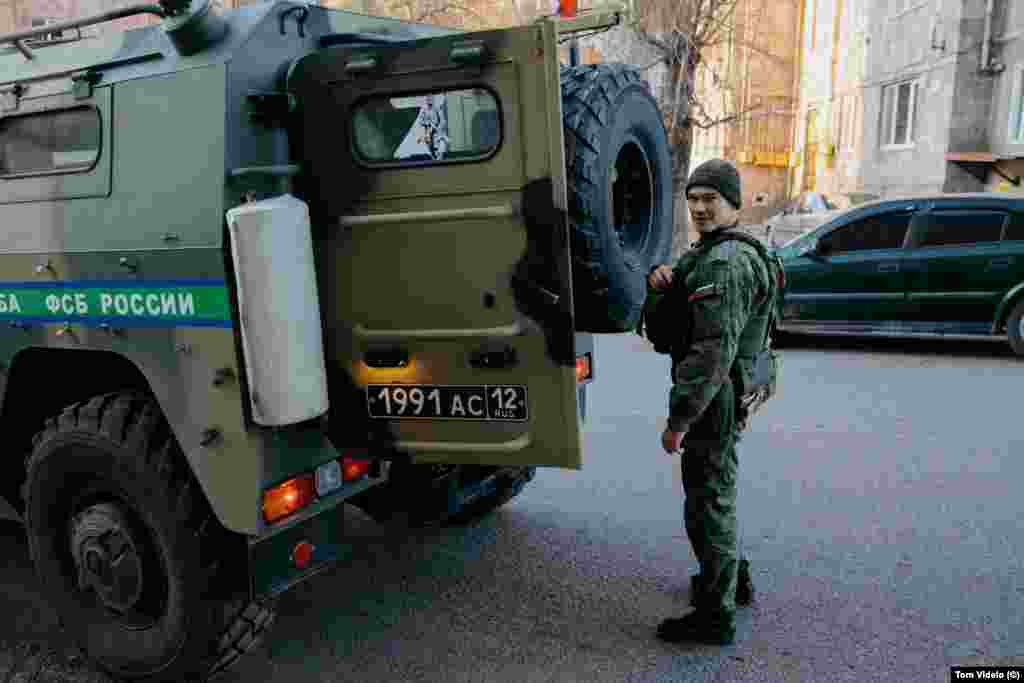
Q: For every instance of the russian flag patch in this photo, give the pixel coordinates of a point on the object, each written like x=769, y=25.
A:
x=705, y=292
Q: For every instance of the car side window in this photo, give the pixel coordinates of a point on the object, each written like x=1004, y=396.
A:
x=1015, y=230
x=883, y=231
x=947, y=227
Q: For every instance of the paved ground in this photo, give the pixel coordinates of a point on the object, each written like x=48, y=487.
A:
x=879, y=504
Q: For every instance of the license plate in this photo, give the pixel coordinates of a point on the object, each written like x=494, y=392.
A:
x=502, y=402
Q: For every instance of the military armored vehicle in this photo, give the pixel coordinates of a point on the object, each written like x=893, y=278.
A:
x=260, y=263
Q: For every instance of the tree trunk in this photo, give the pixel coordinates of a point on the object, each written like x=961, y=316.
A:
x=682, y=149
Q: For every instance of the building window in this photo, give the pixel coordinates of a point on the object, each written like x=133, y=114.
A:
x=899, y=111
x=1016, y=131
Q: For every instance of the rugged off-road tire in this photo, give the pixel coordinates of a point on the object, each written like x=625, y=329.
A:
x=421, y=494
x=1015, y=328
x=142, y=593
x=619, y=192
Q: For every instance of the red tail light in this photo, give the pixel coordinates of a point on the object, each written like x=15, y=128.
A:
x=584, y=368
x=354, y=468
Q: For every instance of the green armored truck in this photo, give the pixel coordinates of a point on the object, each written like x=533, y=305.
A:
x=259, y=263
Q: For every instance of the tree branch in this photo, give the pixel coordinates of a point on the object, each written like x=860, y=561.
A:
x=711, y=123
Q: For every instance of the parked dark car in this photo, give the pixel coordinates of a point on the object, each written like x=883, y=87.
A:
x=925, y=266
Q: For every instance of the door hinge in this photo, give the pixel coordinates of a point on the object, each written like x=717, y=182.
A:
x=10, y=97
x=83, y=82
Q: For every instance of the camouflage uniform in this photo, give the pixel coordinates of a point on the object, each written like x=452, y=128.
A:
x=730, y=292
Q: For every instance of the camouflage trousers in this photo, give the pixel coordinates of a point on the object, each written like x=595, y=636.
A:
x=709, y=465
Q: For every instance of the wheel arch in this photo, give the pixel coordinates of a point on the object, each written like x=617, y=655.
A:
x=1006, y=307
x=35, y=387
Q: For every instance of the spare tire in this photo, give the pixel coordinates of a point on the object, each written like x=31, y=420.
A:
x=619, y=190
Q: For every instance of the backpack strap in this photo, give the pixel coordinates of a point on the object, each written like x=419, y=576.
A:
x=733, y=234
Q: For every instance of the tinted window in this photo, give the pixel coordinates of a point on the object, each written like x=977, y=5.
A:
x=884, y=231
x=436, y=127
x=962, y=227
x=62, y=141
x=1015, y=230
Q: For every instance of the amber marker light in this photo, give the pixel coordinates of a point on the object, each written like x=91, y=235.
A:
x=584, y=370
x=285, y=499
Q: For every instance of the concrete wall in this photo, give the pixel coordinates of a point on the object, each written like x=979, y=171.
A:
x=1008, y=50
x=924, y=41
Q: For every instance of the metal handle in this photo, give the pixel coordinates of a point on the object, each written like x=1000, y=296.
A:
x=361, y=64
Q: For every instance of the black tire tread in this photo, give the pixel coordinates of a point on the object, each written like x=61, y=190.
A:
x=1013, y=328
x=143, y=442
x=588, y=93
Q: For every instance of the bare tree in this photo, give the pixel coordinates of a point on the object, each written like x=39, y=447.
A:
x=686, y=38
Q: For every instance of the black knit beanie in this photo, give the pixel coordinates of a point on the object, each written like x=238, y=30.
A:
x=721, y=175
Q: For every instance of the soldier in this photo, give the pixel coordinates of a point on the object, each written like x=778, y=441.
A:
x=729, y=292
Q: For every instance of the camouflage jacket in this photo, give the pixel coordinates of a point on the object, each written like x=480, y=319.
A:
x=728, y=285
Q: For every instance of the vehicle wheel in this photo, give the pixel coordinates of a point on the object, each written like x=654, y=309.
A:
x=441, y=495
x=503, y=489
x=1015, y=328
x=127, y=548
x=620, y=192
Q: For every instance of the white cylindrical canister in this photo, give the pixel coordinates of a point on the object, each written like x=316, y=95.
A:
x=272, y=249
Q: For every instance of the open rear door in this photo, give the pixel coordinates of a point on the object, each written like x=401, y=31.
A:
x=435, y=173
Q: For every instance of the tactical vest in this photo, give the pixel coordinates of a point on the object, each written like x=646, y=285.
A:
x=666, y=325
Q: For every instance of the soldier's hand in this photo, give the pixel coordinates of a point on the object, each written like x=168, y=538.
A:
x=671, y=441
x=660, y=278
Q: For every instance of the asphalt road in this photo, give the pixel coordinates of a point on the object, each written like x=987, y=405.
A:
x=880, y=505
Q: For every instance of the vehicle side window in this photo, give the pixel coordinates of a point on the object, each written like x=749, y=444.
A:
x=61, y=141
x=884, y=231
x=1015, y=230
x=962, y=227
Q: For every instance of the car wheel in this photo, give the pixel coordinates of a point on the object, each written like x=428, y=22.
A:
x=127, y=548
x=1015, y=328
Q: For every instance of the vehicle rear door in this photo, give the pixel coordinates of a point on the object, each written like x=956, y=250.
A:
x=436, y=177
x=957, y=271
x=858, y=280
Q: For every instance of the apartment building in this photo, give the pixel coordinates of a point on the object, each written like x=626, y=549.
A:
x=830, y=124
x=943, y=93
x=748, y=85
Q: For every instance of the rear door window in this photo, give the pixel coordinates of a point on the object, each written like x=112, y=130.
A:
x=949, y=227
x=61, y=141
x=453, y=125
x=884, y=231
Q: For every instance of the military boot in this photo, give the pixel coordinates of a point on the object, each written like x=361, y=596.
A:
x=699, y=627
x=744, y=586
